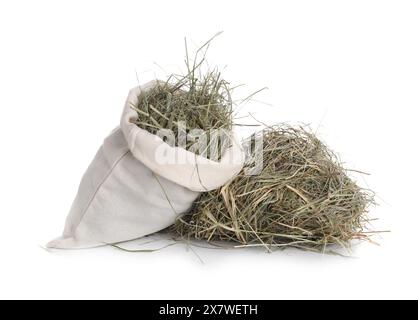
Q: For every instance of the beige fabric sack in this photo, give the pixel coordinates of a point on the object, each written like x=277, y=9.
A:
x=128, y=191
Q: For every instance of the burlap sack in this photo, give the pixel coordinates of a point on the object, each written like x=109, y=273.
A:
x=137, y=185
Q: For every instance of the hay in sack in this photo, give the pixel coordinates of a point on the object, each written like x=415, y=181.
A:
x=141, y=180
x=303, y=197
x=189, y=106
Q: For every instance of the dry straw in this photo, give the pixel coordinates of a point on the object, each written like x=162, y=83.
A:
x=302, y=198
x=188, y=102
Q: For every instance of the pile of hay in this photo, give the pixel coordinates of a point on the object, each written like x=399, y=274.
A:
x=302, y=198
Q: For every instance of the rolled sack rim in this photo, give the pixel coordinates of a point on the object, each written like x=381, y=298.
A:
x=194, y=172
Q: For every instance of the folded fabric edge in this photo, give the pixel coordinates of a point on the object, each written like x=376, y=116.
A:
x=71, y=243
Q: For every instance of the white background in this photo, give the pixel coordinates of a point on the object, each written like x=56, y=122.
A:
x=349, y=68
